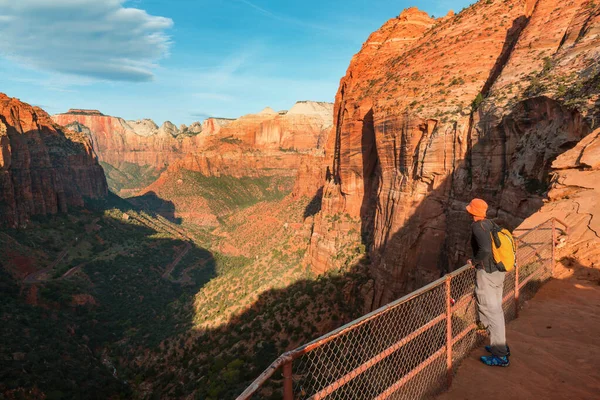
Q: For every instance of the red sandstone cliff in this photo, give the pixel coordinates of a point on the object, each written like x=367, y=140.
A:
x=434, y=112
x=43, y=169
x=139, y=142
x=253, y=145
x=267, y=145
x=142, y=142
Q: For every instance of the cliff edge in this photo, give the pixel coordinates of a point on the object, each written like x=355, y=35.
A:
x=43, y=168
x=434, y=112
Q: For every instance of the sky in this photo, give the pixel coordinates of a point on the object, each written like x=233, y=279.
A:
x=185, y=60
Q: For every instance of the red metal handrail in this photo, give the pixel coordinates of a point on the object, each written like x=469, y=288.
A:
x=285, y=361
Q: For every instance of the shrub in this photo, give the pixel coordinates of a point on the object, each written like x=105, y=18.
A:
x=477, y=102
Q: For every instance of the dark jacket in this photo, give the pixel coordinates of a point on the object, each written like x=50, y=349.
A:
x=481, y=242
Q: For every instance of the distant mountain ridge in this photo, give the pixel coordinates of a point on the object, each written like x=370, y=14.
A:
x=134, y=153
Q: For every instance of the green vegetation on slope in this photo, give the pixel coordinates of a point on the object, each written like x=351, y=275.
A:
x=188, y=190
x=117, y=301
x=42, y=352
x=127, y=178
x=258, y=306
x=219, y=363
x=205, y=330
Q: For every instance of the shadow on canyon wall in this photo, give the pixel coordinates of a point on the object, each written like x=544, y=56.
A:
x=155, y=205
x=44, y=173
x=509, y=166
x=512, y=37
x=314, y=206
x=127, y=302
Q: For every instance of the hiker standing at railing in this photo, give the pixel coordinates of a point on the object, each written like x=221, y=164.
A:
x=489, y=284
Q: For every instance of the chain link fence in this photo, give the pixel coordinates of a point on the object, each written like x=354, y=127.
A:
x=410, y=348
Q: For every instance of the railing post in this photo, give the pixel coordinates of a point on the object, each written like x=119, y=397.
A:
x=517, y=290
x=448, y=331
x=288, y=389
x=553, y=245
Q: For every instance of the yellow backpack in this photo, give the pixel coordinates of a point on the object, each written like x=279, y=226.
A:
x=504, y=249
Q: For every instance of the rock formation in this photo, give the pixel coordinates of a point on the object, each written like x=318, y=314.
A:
x=141, y=142
x=43, y=169
x=263, y=144
x=216, y=147
x=574, y=198
x=268, y=144
x=434, y=112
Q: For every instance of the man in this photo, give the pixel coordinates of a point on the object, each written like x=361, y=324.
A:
x=489, y=285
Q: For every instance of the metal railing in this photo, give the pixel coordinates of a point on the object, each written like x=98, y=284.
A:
x=411, y=347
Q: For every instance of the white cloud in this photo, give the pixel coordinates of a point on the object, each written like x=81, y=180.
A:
x=92, y=38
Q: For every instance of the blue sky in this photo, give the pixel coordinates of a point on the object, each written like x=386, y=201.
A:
x=185, y=60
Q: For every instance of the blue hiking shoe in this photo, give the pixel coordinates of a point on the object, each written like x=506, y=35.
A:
x=489, y=350
x=494, y=361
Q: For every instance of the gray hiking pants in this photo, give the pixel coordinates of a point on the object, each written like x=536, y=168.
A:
x=488, y=289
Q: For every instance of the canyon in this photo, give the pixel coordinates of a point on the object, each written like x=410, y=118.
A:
x=141, y=142
x=243, y=238
x=256, y=156
x=135, y=153
x=222, y=228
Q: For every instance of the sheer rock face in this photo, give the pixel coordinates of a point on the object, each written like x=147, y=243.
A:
x=574, y=198
x=263, y=144
x=43, y=169
x=408, y=151
x=302, y=128
x=139, y=142
x=309, y=178
x=268, y=144
x=142, y=142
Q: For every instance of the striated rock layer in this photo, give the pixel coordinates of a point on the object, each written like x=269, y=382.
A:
x=434, y=112
x=142, y=142
x=43, y=169
x=267, y=143
x=135, y=153
x=263, y=150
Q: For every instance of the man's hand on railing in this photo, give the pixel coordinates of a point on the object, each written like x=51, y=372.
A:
x=470, y=263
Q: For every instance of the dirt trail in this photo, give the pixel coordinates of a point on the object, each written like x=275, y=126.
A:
x=72, y=271
x=41, y=275
x=171, y=267
x=555, y=345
